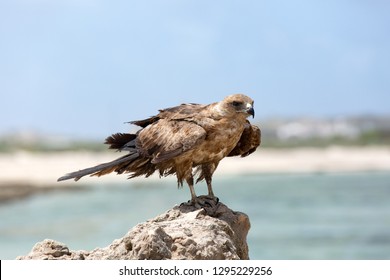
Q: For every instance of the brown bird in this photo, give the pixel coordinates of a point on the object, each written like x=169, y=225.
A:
x=183, y=138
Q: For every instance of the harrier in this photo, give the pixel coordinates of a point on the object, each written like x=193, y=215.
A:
x=187, y=140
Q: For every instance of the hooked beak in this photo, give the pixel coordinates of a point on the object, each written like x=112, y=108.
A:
x=250, y=110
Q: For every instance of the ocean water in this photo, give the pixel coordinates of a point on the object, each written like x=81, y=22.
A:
x=293, y=216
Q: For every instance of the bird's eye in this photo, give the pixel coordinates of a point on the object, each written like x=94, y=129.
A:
x=237, y=103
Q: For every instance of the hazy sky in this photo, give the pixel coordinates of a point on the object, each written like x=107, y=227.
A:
x=83, y=67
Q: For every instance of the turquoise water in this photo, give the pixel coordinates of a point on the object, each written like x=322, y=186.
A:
x=305, y=216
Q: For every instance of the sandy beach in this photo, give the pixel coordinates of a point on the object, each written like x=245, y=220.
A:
x=44, y=169
x=32, y=171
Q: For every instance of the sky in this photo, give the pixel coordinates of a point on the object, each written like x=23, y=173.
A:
x=81, y=68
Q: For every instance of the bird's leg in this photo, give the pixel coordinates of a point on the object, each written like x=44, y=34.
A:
x=197, y=202
x=208, y=170
x=190, y=182
x=210, y=189
x=209, y=186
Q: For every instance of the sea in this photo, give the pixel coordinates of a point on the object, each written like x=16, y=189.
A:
x=319, y=216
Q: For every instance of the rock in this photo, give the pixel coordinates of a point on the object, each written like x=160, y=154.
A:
x=184, y=232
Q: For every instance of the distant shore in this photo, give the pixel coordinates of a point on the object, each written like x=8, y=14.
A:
x=23, y=173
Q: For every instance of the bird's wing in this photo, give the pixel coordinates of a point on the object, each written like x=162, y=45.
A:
x=168, y=134
x=249, y=141
x=166, y=139
x=172, y=134
x=182, y=112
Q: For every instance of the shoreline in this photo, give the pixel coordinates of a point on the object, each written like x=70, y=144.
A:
x=24, y=173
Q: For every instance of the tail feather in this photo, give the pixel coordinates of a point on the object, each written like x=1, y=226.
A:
x=121, y=141
x=101, y=169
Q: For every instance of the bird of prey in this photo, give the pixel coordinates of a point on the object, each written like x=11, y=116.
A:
x=186, y=140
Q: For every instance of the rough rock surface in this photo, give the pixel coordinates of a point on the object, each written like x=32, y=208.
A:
x=184, y=232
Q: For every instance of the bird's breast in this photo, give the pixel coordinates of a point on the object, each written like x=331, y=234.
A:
x=219, y=142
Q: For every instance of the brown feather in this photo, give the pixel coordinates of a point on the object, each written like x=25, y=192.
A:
x=144, y=123
x=248, y=143
x=119, y=141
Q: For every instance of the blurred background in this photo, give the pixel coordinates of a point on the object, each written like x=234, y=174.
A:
x=73, y=72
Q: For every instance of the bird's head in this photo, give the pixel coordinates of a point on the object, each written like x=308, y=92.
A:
x=237, y=104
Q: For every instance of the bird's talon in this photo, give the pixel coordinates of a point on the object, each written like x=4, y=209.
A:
x=208, y=204
x=213, y=198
